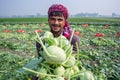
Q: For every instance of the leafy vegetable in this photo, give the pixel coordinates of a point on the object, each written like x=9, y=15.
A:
x=52, y=54
x=60, y=70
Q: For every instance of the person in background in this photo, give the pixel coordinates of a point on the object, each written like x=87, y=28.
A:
x=58, y=23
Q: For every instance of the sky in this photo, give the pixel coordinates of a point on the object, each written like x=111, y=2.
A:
x=32, y=7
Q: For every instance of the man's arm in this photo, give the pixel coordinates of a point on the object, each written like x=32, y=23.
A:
x=75, y=40
x=38, y=47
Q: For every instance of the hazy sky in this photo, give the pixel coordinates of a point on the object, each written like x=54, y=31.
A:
x=31, y=7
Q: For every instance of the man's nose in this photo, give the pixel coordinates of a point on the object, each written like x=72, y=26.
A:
x=56, y=22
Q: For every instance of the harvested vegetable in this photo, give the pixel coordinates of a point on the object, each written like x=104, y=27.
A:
x=58, y=61
x=87, y=75
x=52, y=54
x=60, y=70
x=71, y=61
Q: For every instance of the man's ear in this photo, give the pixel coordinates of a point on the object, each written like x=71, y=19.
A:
x=48, y=18
x=66, y=20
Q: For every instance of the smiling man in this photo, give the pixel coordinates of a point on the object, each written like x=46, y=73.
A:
x=58, y=23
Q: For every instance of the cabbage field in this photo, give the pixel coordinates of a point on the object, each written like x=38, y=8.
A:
x=99, y=50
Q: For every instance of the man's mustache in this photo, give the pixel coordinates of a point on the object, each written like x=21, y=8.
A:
x=55, y=25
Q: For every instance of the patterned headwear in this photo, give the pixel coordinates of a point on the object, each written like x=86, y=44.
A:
x=58, y=7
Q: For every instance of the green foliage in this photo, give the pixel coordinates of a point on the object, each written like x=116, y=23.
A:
x=81, y=20
x=97, y=54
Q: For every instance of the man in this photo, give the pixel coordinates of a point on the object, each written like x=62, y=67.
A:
x=58, y=22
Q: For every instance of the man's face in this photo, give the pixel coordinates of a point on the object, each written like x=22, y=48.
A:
x=56, y=23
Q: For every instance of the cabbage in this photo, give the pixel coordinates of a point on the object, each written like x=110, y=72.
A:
x=63, y=42
x=59, y=70
x=48, y=34
x=87, y=75
x=70, y=62
x=68, y=73
x=75, y=68
x=49, y=39
x=54, y=55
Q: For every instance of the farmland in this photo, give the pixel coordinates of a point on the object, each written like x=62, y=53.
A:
x=99, y=45
x=115, y=20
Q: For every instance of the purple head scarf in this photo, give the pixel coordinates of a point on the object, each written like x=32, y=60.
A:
x=58, y=7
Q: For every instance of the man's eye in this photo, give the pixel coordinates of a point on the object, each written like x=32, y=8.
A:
x=52, y=18
x=60, y=19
